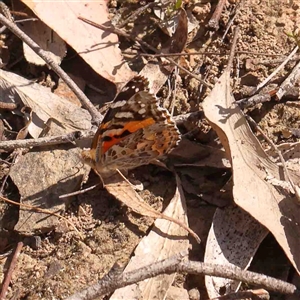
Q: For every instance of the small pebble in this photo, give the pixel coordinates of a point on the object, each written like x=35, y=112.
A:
x=194, y=294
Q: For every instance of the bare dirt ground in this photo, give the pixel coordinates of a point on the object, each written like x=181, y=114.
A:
x=55, y=264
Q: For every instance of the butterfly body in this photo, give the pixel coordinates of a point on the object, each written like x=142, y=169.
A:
x=135, y=131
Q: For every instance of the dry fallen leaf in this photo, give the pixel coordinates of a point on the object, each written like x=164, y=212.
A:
x=232, y=240
x=100, y=50
x=44, y=104
x=124, y=192
x=272, y=206
x=47, y=39
x=44, y=36
x=164, y=240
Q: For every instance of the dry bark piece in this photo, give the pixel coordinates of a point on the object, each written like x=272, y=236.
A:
x=100, y=50
x=272, y=206
x=164, y=240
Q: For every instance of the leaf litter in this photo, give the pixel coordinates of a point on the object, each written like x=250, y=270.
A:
x=44, y=173
x=157, y=246
x=274, y=208
x=104, y=57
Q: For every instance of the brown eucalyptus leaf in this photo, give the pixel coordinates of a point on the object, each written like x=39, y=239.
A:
x=99, y=49
x=272, y=206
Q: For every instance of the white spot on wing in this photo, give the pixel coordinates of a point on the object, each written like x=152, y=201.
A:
x=125, y=114
x=142, y=111
x=118, y=104
x=111, y=132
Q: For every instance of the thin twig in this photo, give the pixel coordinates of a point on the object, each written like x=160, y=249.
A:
x=27, y=20
x=289, y=82
x=75, y=136
x=189, y=117
x=12, y=266
x=189, y=73
x=96, y=116
x=136, y=14
x=114, y=280
x=174, y=94
x=1, y=130
x=6, y=11
x=46, y=141
x=281, y=66
x=205, y=53
x=213, y=23
x=232, y=48
x=79, y=192
x=8, y=106
x=259, y=294
x=236, y=10
x=254, y=100
x=118, y=32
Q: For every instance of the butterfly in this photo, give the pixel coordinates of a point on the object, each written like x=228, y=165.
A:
x=135, y=131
